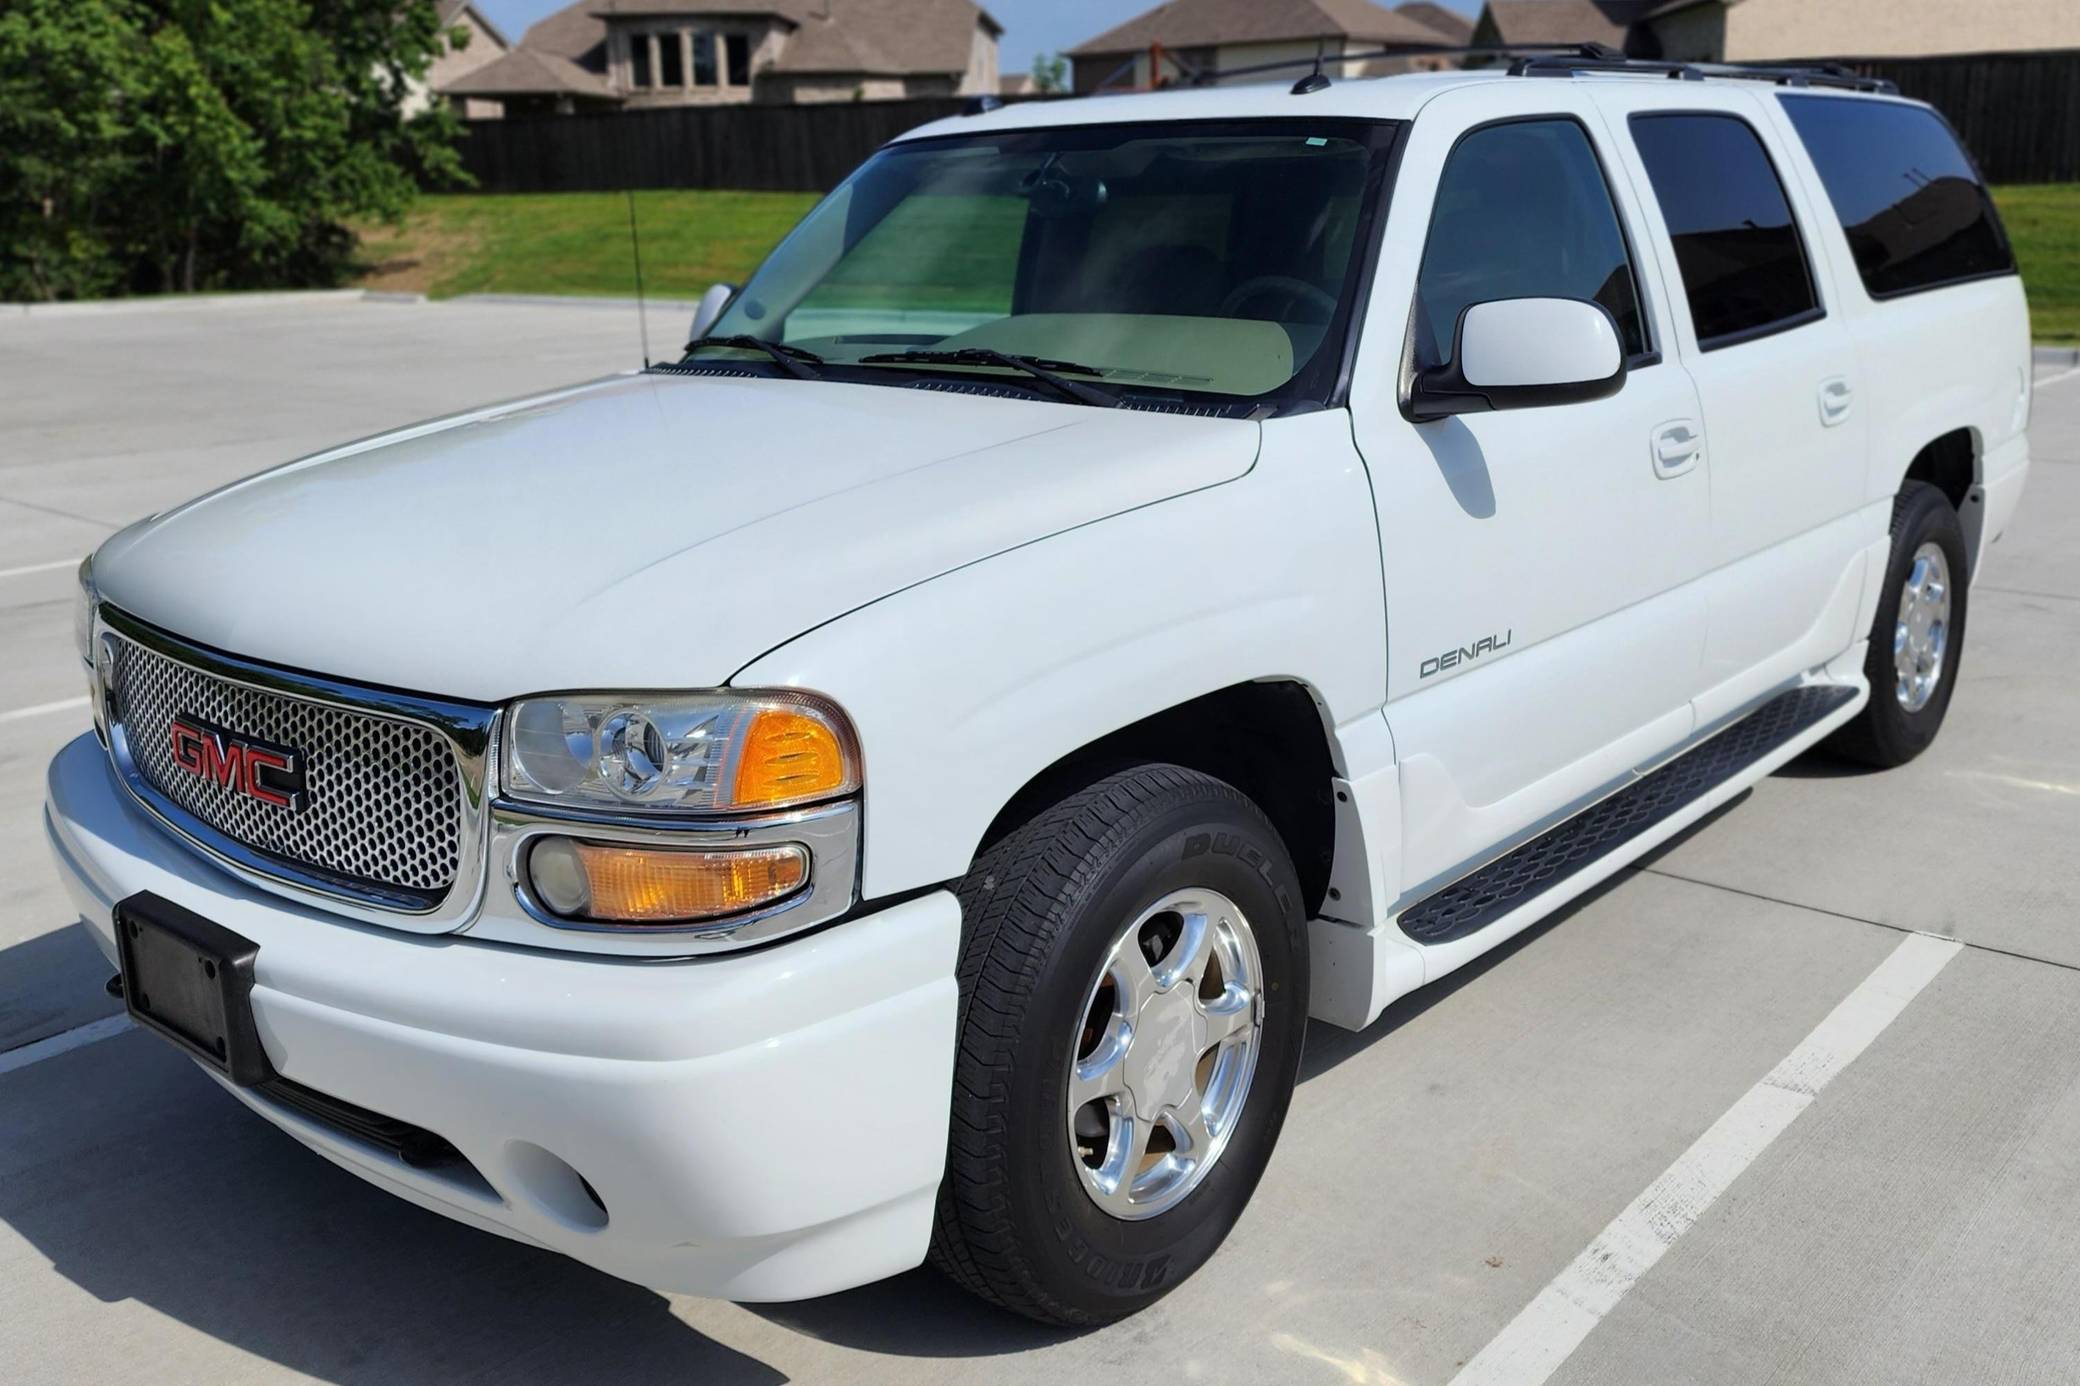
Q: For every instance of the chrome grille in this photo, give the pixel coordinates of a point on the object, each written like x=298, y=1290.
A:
x=385, y=795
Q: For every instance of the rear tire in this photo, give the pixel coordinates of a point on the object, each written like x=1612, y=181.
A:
x=1917, y=641
x=1108, y=890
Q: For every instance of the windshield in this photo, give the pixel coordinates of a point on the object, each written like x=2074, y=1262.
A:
x=1175, y=259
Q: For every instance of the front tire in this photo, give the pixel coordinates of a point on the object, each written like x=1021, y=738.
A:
x=1917, y=641
x=1133, y=998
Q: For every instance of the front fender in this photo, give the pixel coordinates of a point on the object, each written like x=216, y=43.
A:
x=966, y=687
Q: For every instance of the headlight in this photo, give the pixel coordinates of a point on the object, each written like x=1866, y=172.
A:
x=83, y=613
x=700, y=753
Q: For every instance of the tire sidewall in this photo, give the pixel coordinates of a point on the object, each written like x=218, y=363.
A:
x=1928, y=518
x=1100, y=1265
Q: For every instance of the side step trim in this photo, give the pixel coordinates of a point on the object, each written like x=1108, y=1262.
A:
x=1473, y=902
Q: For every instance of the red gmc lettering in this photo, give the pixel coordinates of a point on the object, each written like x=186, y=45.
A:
x=254, y=771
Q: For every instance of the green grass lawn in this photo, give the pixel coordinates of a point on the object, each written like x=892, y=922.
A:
x=577, y=243
x=2044, y=223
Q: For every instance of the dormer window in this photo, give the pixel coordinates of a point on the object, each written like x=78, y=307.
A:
x=665, y=60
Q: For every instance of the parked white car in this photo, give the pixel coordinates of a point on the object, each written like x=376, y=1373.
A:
x=1126, y=576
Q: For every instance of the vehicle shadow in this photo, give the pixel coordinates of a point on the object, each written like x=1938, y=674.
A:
x=138, y=1179
x=1329, y=1046
x=1823, y=764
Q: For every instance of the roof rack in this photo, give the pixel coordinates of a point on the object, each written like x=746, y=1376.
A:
x=1557, y=60
x=1597, y=57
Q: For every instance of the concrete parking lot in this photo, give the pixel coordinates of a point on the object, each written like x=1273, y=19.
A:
x=1482, y=1167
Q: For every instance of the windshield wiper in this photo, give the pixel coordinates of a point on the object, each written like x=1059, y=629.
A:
x=796, y=362
x=1049, y=373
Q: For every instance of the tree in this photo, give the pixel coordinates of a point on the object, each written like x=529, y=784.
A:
x=1051, y=73
x=177, y=145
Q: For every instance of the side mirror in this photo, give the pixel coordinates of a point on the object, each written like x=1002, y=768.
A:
x=714, y=304
x=1524, y=353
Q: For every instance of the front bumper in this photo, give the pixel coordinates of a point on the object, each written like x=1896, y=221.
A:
x=763, y=1126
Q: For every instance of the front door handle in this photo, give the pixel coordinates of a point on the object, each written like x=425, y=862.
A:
x=1677, y=447
x=1837, y=399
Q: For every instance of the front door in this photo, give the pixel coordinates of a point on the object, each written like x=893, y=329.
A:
x=1544, y=627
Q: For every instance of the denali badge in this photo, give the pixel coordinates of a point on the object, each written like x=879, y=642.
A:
x=272, y=774
x=1452, y=659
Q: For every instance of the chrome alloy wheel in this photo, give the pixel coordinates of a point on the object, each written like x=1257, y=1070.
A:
x=1922, y=637
x=1166, y=1046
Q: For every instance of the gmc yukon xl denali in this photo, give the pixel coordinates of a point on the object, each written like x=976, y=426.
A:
x=1125, y=577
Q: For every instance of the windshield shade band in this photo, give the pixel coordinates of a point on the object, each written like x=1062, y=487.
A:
x=1234, y=283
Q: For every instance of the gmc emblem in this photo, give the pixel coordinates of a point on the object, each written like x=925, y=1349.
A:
x=272, y=774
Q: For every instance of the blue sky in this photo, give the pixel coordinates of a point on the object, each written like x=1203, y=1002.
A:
x=1031, y=26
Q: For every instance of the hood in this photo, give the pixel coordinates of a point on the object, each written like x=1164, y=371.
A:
x=645, y=532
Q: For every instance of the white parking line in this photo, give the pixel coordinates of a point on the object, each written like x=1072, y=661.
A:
x=92, y=1032
x=39, y=568
x=21, y=714
x=1534, y=1344
x=2061, y=378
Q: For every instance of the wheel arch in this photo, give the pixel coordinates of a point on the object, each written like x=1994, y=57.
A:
x=1270, y=738
x=1954, y=463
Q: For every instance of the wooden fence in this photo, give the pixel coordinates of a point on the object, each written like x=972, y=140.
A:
x=2019, y=113
x=761, y=148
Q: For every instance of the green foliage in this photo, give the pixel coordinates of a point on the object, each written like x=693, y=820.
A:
x=1051, y=73
x=2044, y=223
x=178, y=145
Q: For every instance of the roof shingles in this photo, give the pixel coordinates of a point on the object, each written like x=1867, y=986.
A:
x=1208, y=23
x=529, y=72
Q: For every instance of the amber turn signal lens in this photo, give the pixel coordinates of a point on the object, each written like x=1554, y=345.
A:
x=616, y=884
x=791, y=756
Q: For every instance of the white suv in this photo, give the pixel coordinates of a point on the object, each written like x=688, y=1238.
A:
x=1126, y=576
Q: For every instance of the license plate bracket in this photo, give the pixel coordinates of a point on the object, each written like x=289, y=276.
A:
x=190, y=981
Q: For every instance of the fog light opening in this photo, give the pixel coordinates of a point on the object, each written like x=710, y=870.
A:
x=555, y=1188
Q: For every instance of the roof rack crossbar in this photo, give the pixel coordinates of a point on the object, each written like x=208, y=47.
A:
x=1394, y=50
x=1823, y=75
x=1542, y=60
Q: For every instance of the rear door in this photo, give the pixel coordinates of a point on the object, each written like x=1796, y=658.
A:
x=1785, y=409
x=1544, y=626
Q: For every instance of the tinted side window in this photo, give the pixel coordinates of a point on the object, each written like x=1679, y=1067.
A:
x=1916, y=213
x=1743, y=263
x=1523, y=212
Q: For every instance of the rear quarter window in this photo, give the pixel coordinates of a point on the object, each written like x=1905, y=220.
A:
x=1914, y=208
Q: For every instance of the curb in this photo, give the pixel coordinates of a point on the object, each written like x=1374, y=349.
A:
x=571, y=301
x=168, y=303
x=2058, y=356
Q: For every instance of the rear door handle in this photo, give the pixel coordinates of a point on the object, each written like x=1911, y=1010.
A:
x=1837, y=399
x=1677, y=447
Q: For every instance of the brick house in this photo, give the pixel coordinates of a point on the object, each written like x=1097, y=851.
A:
x=1224, y=35
x=644, y=53
x=1766, y=30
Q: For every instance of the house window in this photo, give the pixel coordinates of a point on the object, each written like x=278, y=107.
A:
x=737, y=51
x=639, y=61
x=671, y=61
x=703, y=58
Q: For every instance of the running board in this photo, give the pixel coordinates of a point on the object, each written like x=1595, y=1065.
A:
x=1474, y=902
